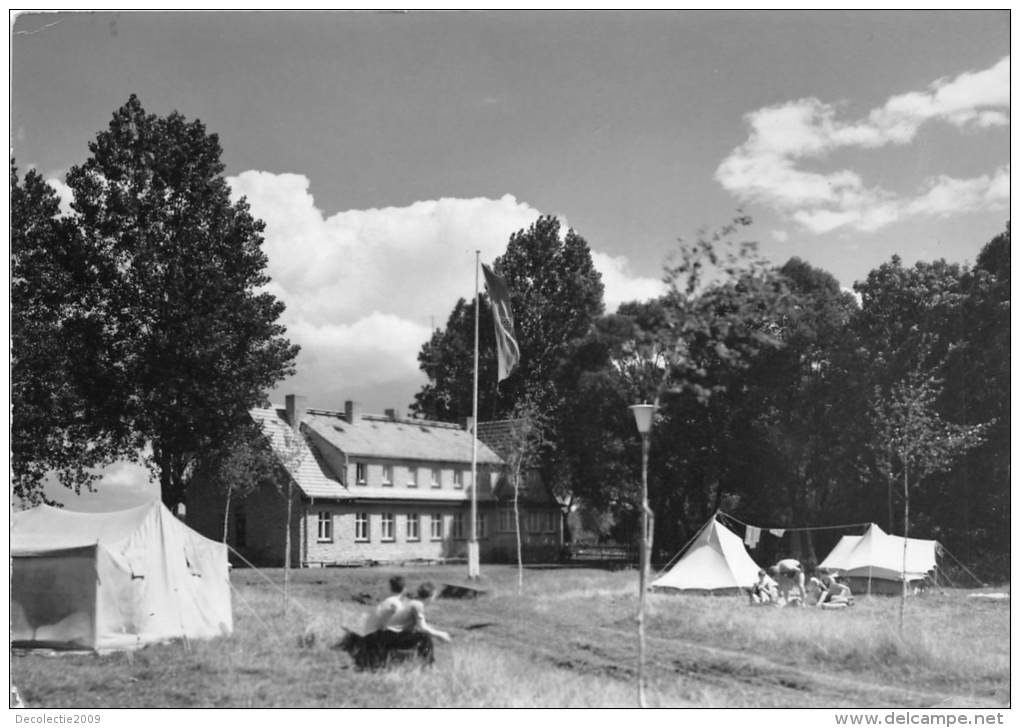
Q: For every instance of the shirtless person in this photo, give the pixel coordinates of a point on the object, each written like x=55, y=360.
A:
x=831, y=590
x=398, y=625
x=764, y=590
x=790, y=575
x=388, y=607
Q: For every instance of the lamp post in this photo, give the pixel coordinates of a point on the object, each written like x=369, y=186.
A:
x=643, y=419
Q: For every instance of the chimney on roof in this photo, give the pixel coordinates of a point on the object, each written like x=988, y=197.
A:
x=296, y=405
x=469, y=423
x=352, y=411
x=390, y=413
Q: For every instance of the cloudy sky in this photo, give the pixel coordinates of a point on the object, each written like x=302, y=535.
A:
x=383, y=149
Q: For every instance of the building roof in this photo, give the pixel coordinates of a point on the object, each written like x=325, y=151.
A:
x=371, y=436
x=375, y=436
x=313, y=476
x=499, y=435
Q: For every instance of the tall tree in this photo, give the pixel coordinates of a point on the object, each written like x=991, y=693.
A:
x=720, y=312
x=52, y=424
x=953, y=321
x=556, y=296
x=793, y=390
x=186, y=332
x=970, y=503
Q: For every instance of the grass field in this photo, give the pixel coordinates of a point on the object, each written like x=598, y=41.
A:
x=568, y=640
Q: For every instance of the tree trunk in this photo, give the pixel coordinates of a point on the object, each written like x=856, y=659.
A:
x=226, y=515
x=906, y=534
x=517, y=529
x=889, y=491
x=286, y=540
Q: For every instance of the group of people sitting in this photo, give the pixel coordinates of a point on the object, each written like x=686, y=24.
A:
x=396, y=629
x=783, y=584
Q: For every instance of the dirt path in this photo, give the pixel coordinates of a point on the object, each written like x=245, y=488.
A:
x=736, y=678
x=720, y=666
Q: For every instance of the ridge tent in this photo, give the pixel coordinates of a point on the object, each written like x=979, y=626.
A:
x=877, y=557
x=716, y=562
x=113, y=581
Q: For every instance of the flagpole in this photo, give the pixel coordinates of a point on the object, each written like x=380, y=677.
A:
x=473, y=569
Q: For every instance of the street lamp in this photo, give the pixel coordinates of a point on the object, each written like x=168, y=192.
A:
x=643, y=419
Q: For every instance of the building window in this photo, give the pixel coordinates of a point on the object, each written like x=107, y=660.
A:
x=436, y=527
x=240, y=529
x=325, y=526
x=506, y=519
x=387, y=475
x=413, y=532
x=481, y=525
x=458, y=525
x=386, y=533
x=412, y=477
x=550, y=522
x=437, y=479
x=458, y=478
x=535, y=522
x=359, y=473
x=360, y=526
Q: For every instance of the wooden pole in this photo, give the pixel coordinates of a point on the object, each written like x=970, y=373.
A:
x=473, y=557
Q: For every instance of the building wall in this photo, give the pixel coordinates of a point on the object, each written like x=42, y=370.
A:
x=256, y=524
x=343, y=547
x=261, y=517
x=494, y=544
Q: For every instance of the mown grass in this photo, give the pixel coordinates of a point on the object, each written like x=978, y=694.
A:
x=566, y=641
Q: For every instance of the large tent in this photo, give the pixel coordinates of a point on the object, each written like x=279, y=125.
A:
x=112, y=581
x=874, y=562
x=715, y=562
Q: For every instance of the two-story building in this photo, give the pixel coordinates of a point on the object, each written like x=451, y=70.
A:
x=370, y=488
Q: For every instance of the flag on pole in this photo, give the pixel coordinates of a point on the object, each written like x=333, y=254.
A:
x=507, y=351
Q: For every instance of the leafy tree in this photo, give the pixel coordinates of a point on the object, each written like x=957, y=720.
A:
x=52, y=424
x=525, y=441
x=971, y=502
x=913, y=439
x=685, y=352
x=953, y=321
x=185, y=336
x=556, y=296
x=447, y=358
x=793, y=393
x=243, y=462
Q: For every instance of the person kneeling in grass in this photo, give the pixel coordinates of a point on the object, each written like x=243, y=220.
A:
x=831, y=591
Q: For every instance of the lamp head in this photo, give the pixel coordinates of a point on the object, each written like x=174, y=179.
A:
x=643, y=417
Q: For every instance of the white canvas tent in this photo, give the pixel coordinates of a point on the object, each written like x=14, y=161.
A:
x=878, y=557
x=715, y=562
x=111, y=581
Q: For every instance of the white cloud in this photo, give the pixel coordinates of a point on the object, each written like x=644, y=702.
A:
x=766, y=169
x=64, y=194
x=780, y=236
x=363, y=287
x=621, y=285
